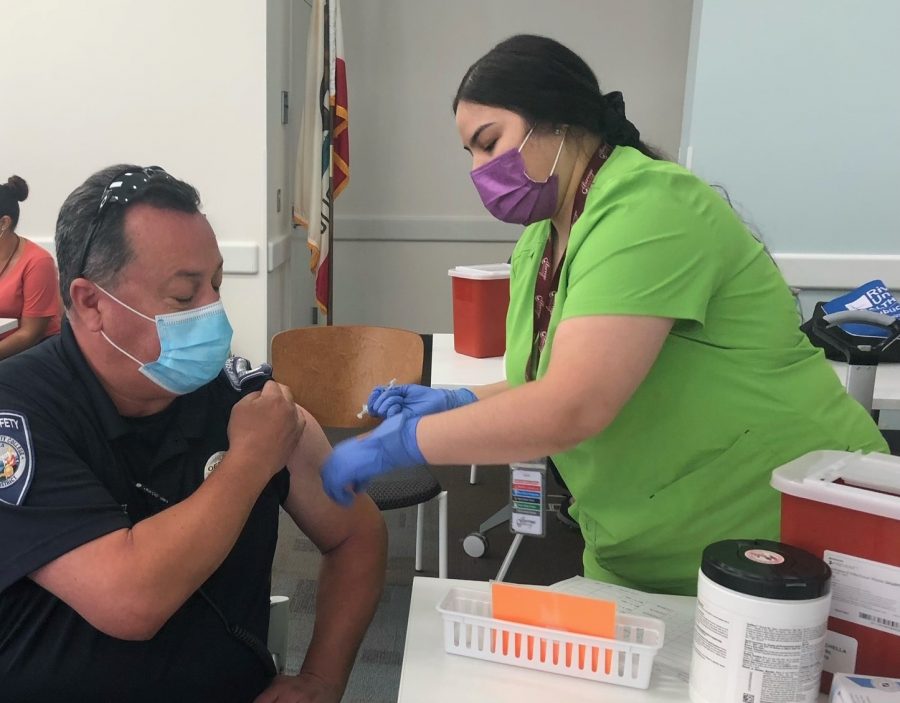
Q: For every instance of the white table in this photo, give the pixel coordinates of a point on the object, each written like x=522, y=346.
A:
x=8, y=324
x=452, y=370
x=887, y=384
x=430, y=674
x=886, y=397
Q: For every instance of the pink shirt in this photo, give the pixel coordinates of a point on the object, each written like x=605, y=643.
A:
x=30, y=288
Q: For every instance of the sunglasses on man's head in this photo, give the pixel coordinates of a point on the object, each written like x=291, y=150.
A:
x=126, y=187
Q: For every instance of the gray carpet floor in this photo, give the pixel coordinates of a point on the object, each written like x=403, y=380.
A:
x=376, y=676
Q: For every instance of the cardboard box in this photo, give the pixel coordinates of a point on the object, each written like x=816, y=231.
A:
x=850, y=688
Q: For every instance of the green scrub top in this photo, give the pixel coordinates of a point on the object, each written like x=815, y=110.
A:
x=736, y=391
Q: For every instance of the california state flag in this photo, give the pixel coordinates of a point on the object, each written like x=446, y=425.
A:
x=323, y=152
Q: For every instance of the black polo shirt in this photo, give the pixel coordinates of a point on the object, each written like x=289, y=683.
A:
x=70, y=466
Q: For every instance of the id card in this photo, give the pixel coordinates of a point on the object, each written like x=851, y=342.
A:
x=528, y=497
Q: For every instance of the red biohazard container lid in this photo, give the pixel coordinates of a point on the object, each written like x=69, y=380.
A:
x=481, y=272
x=868, y=483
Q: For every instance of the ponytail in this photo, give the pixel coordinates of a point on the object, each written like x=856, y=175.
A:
x=549, y=84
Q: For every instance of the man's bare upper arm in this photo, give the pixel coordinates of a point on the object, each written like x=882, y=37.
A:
x=321, y=519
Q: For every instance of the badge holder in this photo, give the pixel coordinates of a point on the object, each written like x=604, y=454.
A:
x=528, y=505
x=245, y=378
x=528, y=497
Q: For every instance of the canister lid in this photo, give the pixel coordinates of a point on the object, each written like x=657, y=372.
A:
x=481, y=272
x=766, y=569
x=867, y=483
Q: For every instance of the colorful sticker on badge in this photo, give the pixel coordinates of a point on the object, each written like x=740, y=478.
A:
x=528, y=497
x=16, y=457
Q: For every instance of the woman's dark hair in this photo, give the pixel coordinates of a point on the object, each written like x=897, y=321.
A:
x=548, y=85
x=14, y=191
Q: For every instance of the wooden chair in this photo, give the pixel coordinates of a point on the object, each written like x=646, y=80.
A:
x=331, y=371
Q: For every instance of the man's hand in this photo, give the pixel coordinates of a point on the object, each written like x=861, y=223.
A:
x=266, y=426
x=303, y=688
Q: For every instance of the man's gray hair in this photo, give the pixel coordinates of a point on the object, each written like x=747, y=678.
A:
x=110, y=250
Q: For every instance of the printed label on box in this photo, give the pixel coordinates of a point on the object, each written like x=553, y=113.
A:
x=864, y=689
x=865, y=592
x=840, y=653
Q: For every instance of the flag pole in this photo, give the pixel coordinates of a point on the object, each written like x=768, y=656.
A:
x=329, y=317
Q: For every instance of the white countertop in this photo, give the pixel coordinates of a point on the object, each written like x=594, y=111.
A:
x=7, y=324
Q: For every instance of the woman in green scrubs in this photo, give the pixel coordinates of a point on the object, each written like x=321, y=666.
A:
x=653, y=348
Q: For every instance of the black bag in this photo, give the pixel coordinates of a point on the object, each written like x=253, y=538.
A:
x=813, y=327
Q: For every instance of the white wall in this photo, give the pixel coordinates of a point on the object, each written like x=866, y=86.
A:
x=278, y=199
x=195, y=86
x=180, y=84
x=302, y=283
x=795, y=108
x=410, y=211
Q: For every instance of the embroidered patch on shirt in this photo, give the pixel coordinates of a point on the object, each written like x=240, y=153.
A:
x=16, y=457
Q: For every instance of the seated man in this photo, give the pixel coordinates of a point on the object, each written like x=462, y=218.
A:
x=140, y=489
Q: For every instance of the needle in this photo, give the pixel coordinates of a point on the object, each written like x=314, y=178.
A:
x=365, y=408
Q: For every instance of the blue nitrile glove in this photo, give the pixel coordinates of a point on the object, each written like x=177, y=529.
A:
x=412, y=399
x=355, y=462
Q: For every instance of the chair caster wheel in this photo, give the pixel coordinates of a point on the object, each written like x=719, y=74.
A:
x=475, y=545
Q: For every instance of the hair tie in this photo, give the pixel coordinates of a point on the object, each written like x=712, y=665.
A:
x=619, y=129
x=615, y=102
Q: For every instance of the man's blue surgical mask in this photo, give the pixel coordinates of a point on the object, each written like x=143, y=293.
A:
x=193, y=346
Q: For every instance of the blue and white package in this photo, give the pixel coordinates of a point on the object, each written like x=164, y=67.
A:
x=873, y=296
x=852, y=688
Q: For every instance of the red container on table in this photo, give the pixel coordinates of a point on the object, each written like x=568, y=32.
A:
x=480, y=302
x=845, y=508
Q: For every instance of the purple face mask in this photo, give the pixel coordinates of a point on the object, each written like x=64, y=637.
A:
x=508, y=192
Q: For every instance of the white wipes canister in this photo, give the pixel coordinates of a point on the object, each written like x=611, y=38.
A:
x=759, y=630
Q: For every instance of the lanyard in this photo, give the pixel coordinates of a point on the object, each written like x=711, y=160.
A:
x=242, y=635
x=545, y=286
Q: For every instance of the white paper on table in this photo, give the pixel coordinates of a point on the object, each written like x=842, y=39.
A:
x=674, y=659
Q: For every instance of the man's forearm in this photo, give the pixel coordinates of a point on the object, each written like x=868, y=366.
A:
x=351, y=581
x=193, y=550
x=150, y=570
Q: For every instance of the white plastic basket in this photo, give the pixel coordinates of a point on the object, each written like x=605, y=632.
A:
x=470, y=630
